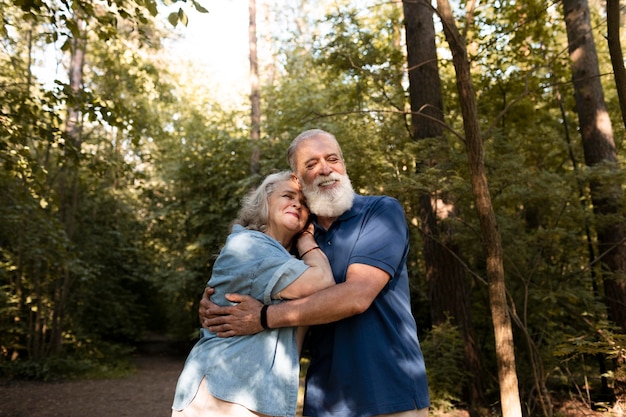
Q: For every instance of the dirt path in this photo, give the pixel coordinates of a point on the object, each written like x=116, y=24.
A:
x=147, y=393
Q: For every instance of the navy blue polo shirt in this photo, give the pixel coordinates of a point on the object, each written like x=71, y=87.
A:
x=370, y=363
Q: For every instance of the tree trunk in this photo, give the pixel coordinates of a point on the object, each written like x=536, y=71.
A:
x=613, y=15
x=68, y=178
x=255, y=92
x=583, y=198
x=503, y=332
x=448, y=287
x=599, y=148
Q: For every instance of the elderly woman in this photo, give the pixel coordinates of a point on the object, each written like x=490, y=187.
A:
x=256, y=375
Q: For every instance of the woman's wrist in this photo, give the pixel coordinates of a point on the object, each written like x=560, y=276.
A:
x=308, y=251
x=306, y=243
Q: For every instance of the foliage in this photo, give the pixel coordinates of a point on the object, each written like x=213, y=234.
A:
x=110, y=242
x=73, y=365
x=205, y=167
x=73, y=255
x=532, y=153
x=443, y=348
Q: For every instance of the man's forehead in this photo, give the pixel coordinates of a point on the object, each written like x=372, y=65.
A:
x=290, y=185
x=321, y=145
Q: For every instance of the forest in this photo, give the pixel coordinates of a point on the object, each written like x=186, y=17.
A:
x=499, y=126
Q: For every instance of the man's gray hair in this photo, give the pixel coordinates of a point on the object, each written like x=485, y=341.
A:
x=307, y=134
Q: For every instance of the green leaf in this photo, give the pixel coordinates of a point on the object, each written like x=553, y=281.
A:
x=173, y=19
x=182, y=16
x=199, y=7
x=152, y=7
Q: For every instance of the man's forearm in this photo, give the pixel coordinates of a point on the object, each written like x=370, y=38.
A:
x=332, y=304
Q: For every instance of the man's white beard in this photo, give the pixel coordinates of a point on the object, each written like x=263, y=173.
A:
x=329, y=203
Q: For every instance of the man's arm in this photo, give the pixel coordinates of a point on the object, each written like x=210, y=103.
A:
x=363, y=283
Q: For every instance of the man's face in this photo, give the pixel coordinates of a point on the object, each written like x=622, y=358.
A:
x=322, y=172
x=319, y=155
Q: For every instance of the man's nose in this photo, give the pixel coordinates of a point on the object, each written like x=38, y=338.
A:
x=325, y=168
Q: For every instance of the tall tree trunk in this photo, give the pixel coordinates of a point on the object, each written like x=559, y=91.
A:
x=584, y=202
x=73, y=127
x=503, y=332
x=269, y=70
x=599, y=148
x=255, y=92
x=68, y=179
x=448, y=287
x=613, y=17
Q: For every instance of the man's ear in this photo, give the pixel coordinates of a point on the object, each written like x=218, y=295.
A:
x=295, y=178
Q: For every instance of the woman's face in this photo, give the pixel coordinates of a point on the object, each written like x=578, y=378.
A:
x=288, y=212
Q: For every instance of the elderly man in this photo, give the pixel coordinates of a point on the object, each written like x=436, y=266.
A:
x=365, y=356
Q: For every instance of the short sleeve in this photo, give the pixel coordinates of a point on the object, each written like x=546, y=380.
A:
x=383, y=238
x=254, y=264
x=284, y=275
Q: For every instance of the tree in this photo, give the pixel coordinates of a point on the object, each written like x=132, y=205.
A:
x=161, y=167
x=82, y=256
x=68, y=188
x=255, y=92
x=507, y=374
x=600, y=154
x=613, y=18
x=445, y=274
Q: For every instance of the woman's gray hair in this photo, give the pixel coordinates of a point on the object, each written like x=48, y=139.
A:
x=254, y=212
x=307, y=134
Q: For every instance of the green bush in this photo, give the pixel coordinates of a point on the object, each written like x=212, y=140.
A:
x=103, y=361
x=443, y=353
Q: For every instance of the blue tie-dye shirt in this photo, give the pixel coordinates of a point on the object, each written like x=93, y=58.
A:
x=258, y=371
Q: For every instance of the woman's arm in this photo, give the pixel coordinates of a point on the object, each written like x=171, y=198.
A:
x=318, y=276
x=343, y=300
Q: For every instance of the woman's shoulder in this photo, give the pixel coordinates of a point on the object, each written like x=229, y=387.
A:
x=246, y=240
x=239, y=232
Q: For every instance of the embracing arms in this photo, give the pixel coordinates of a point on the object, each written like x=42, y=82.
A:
x=363, y=283
x=317, y=276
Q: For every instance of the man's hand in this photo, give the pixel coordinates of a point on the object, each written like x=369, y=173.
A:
x=243, y=318
x=205, y=304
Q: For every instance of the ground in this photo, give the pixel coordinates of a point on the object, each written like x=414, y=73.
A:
x=146, y=393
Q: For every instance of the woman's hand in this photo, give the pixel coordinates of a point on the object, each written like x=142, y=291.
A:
x=306, y=240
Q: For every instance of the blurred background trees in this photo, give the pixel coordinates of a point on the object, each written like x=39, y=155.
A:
x=118, y=182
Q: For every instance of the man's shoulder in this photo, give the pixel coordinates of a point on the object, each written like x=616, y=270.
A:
x=369, y=201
